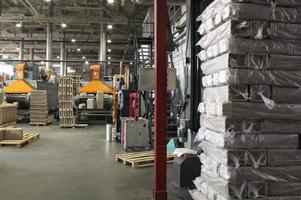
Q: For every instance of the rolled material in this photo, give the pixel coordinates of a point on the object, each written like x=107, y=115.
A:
x=109, y=132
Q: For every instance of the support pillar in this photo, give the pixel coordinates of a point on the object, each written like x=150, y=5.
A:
x=103, y=50
x=31, y=54
x=49, y=37
x=63, y=57
x=21, y=50
x=160, y=191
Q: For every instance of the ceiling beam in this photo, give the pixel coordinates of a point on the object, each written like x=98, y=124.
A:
x=67, y=19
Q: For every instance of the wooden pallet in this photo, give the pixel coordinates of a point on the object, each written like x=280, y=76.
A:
x=40, y=123
x=75, y=126
x=12, y=124
x=141, y=159
x=27, y=139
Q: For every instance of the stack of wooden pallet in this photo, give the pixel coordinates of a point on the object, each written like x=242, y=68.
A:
x=39, y=108
x=8, y=113
x=66, y=91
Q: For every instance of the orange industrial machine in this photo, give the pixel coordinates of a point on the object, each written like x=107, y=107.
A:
x=95, y=104
x=20, y=86
x=95, y=85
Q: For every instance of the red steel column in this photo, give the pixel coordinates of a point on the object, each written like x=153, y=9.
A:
x=160, y=192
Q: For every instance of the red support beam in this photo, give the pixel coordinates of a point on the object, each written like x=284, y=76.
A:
x=160, y=192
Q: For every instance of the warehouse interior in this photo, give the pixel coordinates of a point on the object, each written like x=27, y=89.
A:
x=150, y=99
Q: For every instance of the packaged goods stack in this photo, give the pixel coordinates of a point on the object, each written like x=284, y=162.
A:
x=39, y=107
x=251, y=109
x=1, y=97
x=8, y=114
x=11, y=134
x=66, y=104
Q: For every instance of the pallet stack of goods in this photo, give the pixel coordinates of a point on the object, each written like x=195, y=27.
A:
x=66, y=104
x=1, y=97
x=8, y=115
x=251, y=105
x=11, y=134
x=39, y=107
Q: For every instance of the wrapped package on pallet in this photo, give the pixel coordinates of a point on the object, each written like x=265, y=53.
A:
x=250, y=121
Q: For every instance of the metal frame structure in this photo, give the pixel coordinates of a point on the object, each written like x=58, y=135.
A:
x=160, y=191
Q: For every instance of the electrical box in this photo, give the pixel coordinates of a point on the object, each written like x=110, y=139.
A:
x=134, y=133
x=147, y=79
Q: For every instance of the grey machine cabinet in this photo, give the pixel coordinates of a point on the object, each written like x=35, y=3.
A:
x=134, y=133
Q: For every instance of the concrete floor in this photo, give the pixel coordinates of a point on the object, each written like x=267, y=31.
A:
x=71, y=164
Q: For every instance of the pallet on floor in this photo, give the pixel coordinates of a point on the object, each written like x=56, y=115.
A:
x=28, y=138
x=75, y=126
x=140, y=159
x=40, y=123
x=12, y=124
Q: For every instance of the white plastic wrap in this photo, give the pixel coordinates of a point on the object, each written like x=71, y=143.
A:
x=253, y=110
x=213, y=187
x=254, y=61
x=236, y=45
x=251, y=125
x=253, y=77
x=219, y=12
x=250, y=140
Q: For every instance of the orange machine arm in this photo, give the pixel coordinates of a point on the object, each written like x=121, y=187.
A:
x=19, y=86
x=95, y=85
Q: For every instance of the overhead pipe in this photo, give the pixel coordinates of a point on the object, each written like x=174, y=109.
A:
x=169, y=2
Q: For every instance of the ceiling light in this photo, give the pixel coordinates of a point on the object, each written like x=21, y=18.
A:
x=109, y=58
x=131, y=63
x=18, y=49
x=64, y=25
x=109, y=41
x=111, y=1
x=87, y=62
x=19, y=25
x=42, y=62
x=58, y=57
x=78, y=49
x=109, y=63
x=109, y=50
x=110, y=26
x=73, y=40
x=48, y=0
x=84, y=57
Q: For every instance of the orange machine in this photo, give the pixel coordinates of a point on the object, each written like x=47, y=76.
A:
x=95, y=85
x=20, y=86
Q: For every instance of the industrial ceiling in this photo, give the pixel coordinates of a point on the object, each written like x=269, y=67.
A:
x=77, y=22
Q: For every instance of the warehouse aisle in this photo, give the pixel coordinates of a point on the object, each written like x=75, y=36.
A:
x=70, y=164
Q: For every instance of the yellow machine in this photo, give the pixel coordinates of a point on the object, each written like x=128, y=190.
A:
x=20, y=86
x=102, y=111
x=95, y=85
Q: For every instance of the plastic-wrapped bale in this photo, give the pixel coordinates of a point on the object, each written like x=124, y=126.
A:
x=39, y=107
x=251, y=106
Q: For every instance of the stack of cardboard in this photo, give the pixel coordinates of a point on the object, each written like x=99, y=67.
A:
x=39, y=107
x=66, y=104
x=251, y=109
x=11, y=134
x=1, y=97
x=8, y=114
